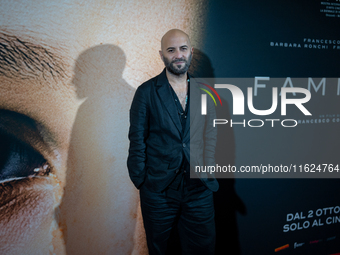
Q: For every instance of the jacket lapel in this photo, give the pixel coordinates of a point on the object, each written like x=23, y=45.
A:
x=194, y=105
x=164, y=93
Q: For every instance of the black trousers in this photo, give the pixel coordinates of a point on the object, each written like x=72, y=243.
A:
x=194, y=209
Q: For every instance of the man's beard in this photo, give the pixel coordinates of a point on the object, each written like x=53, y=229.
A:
x=171, y=66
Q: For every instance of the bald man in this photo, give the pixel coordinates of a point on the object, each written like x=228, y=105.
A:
x=158, y=160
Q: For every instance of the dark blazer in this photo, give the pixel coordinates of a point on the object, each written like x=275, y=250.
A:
x=156, y=140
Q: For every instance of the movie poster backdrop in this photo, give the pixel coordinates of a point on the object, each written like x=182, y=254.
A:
x=68, y=74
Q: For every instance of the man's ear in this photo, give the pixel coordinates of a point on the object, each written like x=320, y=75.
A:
x=192, y=50
x=161, y=54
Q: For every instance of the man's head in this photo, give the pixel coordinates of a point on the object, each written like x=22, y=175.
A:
x=176, y=51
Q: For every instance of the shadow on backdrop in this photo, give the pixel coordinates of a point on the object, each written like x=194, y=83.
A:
x=99, y=206
x=227, y=202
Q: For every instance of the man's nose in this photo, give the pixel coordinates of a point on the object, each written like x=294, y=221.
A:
x=178, y=54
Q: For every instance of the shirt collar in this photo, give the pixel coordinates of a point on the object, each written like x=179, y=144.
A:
x=162, y=79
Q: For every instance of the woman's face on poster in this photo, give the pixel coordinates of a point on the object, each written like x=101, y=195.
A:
x=40, y=45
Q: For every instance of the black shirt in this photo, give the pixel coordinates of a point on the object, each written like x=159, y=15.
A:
x=184, y=172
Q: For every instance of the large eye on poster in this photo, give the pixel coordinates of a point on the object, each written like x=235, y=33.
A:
x=68, y=73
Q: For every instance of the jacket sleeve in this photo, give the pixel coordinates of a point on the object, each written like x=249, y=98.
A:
x=138, y=133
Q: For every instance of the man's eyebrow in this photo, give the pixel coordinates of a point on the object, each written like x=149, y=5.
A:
x=182, y=46
x=22, y=59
